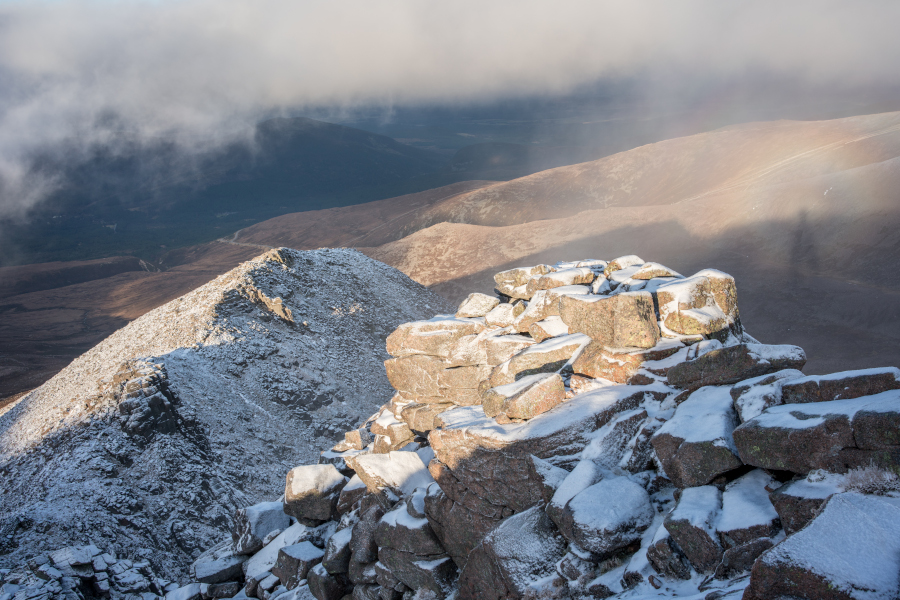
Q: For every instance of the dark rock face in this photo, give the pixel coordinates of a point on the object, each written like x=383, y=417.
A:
x=254, y=523
x=735, y=363
x=327, y=586
x=692, y=527
x=311, y=493
x=841, y=386
x=294, y=562
x=626, y=320
x=835, y=436
x=337, y=552
x=848, y=551
x=521, y=550
x=740, y=559
x=607, y=516
x=666, y=557
x=362, y=541
x=798, y=502
x=695, y=446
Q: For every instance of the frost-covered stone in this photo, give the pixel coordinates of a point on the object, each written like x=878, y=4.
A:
x=666, y=557
x=254, y=523
x=474, y=447
x=545, y=304
x=217, y=571
x=548, y=328
x=573, y=276
x=747, y=514
x=798, y=502
x=476, y=305
x=520, y=551
x=350, y=494
x=692, y=526
x=841, y=386
x=620, y=364
x=525, y=398
x=400, y=472
x=500, y=348
x=421, y=417
x=740, y=559
x=849, y=551
x=336, y=558
x=753, y=396
x=652, y=270
x=311, y=492
x=695, y=446
x=621, y=321
x=358, y=438
x=326, y=586
x=401, y=531
x=547, y=357
x=419, y=573
x=434, y=337
x=736, y=363
x=503, y=314
x=835, y=436
x=294, y=562
x=513, y=282
x=705, y=304
x=607, y=516
x=363, y=547
x=622, y=262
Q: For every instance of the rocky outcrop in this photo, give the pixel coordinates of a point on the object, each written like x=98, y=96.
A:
x=582, y=444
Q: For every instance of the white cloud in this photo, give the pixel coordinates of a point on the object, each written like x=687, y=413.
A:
x=83, y=72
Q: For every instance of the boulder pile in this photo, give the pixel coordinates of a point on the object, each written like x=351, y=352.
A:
x=596, y=428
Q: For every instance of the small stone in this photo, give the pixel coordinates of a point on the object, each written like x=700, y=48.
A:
x=294, y=562
x=476, y=305
x=312, y=491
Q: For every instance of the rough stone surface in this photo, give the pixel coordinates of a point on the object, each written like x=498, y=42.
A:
x=254, y=523
x=294, y=562
x=311, y=492
x=695, y=445
x=476, y=305
x=435, y=575
x=326, y=586
x=667, y=558
x=740, y=559
x=835, y=436
x=526, y=398
x=607, y=516
x=841, y=386
x=705, y=304
x=621, y=321
x=753, y=396
x=848, y=551
x=620, y=364
x=521, y=550
x=547, y=357
x=692, y=527
x=735, y=363
x=435, y=337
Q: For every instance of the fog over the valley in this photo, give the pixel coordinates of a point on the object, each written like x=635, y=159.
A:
x=75, y=74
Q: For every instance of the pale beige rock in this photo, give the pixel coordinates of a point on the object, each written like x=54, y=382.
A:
x=705, y=303
x=547, y=357
x=526, y=398
x=476, y=305
x=432, y=338
x=620, y=364
x=575, y=276
x=548, y=328
x=621, y=321
x=622, y=262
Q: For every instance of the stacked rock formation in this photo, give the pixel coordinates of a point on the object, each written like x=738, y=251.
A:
x=594, y=429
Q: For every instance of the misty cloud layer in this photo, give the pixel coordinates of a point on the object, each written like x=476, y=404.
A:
x=75, y=74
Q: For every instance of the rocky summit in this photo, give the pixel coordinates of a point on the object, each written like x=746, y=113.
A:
x=597, y=429
x=146, y=445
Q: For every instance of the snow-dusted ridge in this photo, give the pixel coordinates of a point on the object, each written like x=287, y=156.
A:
x=148, y=442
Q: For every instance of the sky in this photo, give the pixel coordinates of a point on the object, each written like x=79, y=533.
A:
x=78, y=74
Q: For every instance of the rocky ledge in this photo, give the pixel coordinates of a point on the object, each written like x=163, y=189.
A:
x=597, y=429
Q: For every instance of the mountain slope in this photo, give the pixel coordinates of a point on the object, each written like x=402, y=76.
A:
x=151, y=439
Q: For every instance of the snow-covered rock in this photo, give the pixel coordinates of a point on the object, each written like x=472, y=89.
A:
x=153, y=438
x=311, y=493
x=476, y=305
x=254, y=523
x=841, y=386
x=736, y=363
x=621, y=321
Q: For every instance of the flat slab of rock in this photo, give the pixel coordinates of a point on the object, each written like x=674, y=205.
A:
x=747, y=512
x=849, y=551
x=420, y=417
x=753, y=396
x=474, y=447
x=460, y=528
x=311, y=492
x=526, y=398
x=692, y=526
x=621, y=321
x=798, y=502
x=228, y=568
x=573, y=276
x=545, y=304
x=520, y=551
x=736, y=363
x=254, y=523
x=841, y=386
x=500, y=348
x=547, y=357
x=695, y=446
x=432, y=380
x=434, y=337
x=435, y=574
x=513, y=282
x=548, y=328
x=835, y=436
x=401, y=472
x=620, y=364
x=705, y=303
x=476, y=305
x=294, y=562
x=401, y=531
x=607, y=516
